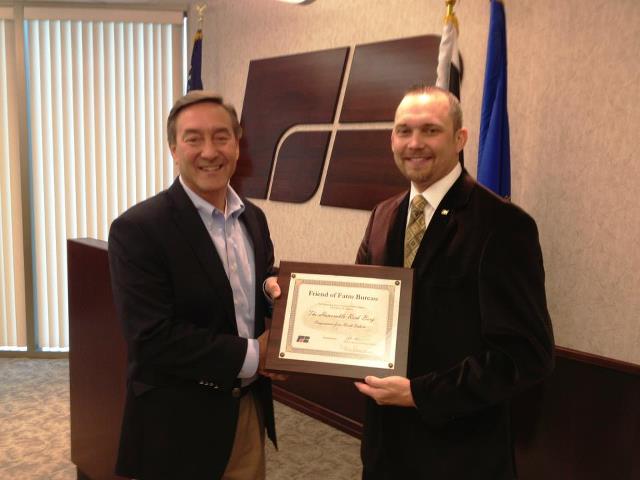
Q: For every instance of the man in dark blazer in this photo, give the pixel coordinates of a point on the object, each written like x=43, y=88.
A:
x=480, y=329
x=188, y=268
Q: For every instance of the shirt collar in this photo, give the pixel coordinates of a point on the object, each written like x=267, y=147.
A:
x=436, y=192
x=234, y=205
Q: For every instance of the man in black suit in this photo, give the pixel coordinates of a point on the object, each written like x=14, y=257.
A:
x=188, y=267
x=480, y=329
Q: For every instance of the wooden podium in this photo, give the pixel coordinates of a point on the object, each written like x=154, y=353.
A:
x=97, y=361
x=582, y=423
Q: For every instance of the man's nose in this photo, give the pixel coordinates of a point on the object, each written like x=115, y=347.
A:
x=209, y=149
x=416, y=140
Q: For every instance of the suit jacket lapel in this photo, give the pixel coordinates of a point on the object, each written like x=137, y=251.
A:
x=248, y=218
x=189, y=222
x=444, y=222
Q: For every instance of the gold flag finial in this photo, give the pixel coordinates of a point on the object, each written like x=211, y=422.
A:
x=201, y=7
x=451, y=15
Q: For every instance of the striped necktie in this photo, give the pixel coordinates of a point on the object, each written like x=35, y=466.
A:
x=415, y=230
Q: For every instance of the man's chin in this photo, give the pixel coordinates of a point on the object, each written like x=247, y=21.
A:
x=418, y=177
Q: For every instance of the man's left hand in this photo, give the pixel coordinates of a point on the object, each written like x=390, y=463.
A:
x=272, y=288
x=388, y=391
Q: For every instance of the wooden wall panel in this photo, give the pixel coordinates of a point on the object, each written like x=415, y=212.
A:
x=299, y=168
x=282, y=92
x=381, y=72
x=362, y=172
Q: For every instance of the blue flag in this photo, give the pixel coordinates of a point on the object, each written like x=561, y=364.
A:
x=494, y=162
x=194, y=82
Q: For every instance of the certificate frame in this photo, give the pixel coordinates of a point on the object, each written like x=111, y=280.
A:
x=280, y=353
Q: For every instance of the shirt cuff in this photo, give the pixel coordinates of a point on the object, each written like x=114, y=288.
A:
x=250, y=365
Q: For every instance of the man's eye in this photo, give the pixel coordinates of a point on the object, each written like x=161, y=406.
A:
x=192, y=139
x=221, y=139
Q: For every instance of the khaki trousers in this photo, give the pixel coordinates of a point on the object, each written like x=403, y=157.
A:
x=247, y=461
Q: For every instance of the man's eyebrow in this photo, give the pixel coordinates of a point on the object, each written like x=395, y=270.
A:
x=191, y=131
x=198, y=131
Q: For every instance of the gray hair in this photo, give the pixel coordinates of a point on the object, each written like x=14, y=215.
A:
x=199, y=96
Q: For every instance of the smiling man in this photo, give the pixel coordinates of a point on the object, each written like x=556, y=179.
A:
x=480, y=329
x=188, y=267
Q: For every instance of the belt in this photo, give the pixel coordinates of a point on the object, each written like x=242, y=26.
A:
x=239, y=392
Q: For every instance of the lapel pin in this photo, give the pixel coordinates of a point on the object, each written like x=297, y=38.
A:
x=444, y=212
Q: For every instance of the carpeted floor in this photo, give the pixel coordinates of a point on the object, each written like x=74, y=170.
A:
x=34, y=431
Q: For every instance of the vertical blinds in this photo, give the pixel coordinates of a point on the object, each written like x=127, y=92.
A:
x=98, y=96
x=12, y=287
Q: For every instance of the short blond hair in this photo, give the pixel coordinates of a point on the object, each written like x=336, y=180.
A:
x=455, y=109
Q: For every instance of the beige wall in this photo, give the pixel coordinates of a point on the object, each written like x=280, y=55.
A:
x=574, y=90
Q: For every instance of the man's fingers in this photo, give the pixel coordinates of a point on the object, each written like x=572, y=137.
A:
x=375, y=382
x=272, y=287
x=364, y=388
x=279, y=377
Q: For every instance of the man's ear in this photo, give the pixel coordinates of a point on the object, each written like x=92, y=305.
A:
x=461, y=138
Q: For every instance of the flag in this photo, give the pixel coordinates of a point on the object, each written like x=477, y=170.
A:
x=449, y=62
x=194, y=81
x=448, y=56
x=494, y=169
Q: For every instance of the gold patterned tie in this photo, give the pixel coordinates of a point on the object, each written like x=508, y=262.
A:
x=415, y=229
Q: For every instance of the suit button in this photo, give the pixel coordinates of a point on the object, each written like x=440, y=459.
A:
x=235, y=393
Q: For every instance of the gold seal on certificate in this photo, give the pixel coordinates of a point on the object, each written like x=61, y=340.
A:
x=341, y=320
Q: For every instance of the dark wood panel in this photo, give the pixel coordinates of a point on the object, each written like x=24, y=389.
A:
x=582, y=423
x=299, y=166
x=97, y=361
x=282, y=92
x=362, y=172
x=381, y=73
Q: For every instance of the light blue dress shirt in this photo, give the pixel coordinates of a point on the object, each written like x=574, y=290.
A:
x=232, y=241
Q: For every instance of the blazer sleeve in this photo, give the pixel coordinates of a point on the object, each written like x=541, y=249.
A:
x=363, y=257
x=517, y=338
x=162, y=345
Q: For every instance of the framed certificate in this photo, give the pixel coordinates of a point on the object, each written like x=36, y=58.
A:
x=341, y=320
